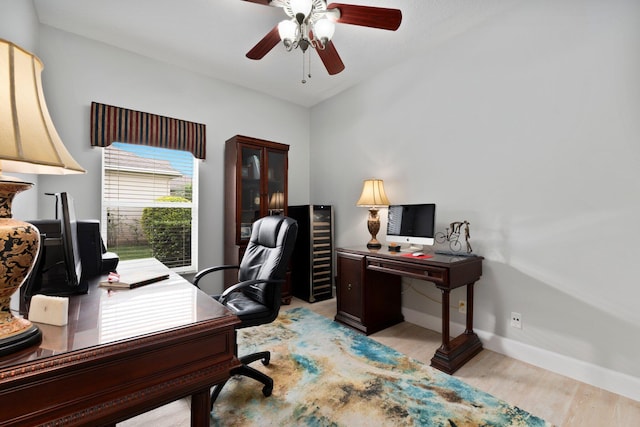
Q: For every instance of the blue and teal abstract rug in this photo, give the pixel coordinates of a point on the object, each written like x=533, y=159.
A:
x=328, y=375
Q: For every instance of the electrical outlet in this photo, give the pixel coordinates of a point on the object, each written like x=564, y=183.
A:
x=462, y=306
x=516, y=320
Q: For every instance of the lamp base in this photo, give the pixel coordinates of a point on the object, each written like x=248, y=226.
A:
x=27, y=338
x=374, y=245
x=373, y=225
x=19, y=245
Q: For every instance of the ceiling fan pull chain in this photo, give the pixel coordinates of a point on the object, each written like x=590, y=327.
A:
x=309, y=68
x=303, y=72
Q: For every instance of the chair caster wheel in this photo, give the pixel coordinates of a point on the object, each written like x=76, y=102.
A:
x=265, y=361
x=266, y=391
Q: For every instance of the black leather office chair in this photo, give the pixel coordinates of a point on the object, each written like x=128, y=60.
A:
x=256, y=298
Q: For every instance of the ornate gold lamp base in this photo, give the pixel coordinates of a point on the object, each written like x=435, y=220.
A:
x=19, y=244
x=373, y=224
x=27, y=336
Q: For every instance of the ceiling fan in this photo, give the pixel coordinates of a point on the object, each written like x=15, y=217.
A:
x=311, y=23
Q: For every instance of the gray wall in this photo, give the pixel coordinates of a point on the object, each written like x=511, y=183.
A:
x=526, y=126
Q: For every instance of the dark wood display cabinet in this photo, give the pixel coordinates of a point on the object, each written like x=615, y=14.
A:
x=255, y=186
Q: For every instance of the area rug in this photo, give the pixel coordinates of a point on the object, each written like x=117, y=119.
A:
x=328, y=375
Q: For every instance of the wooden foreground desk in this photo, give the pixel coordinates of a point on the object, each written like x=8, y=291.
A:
x=368, y=292
x=123, y=353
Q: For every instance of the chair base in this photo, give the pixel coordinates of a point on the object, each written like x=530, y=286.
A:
x=248, y=371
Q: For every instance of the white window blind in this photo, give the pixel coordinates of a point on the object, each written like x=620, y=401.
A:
x=150, y=201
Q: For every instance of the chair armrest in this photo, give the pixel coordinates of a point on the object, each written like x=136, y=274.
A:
x=241, y=285
x=200, y=274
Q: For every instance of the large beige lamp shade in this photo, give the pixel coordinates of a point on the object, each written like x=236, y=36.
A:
x=29, y=144
x=373, y=197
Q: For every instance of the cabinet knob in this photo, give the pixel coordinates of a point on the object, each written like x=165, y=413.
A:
x=349, y=286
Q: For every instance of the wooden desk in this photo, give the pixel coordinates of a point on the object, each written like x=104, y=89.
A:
x=368, y=292
x=123, y=353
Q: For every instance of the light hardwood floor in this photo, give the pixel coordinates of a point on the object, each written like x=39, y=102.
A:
x=558, y=399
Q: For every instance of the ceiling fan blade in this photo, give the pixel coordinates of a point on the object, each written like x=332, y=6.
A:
x=274, y=3
x=265, y=45
x=264, y=2
x=368, y=16
x=330, y=58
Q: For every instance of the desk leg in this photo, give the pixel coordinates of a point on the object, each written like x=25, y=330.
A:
x=469, y=328
x=452, y=354
x=445, y=320
x=200, y=408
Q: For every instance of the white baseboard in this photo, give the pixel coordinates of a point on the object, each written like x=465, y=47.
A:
x=597, y=376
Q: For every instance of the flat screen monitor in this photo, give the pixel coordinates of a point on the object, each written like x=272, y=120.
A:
x=413, y=224
x=58, y=268
x=69, y=235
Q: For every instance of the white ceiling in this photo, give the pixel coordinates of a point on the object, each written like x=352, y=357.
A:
x=212, y=37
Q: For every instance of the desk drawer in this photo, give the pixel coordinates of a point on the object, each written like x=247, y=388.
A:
x=437, y=275
x=349, y=287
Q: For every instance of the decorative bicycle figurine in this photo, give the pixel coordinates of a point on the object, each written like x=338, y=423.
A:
x=452, y=236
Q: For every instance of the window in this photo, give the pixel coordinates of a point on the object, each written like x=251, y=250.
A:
x=150, y=200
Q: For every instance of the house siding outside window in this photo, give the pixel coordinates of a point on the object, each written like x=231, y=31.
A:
x=150, y=201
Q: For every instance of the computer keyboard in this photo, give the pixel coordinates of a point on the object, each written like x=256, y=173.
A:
x=451, y=253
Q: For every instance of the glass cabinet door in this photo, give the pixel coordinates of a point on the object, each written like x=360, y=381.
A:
x=250, y=189
x=276, y=179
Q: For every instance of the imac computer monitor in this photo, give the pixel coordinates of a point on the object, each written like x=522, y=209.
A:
x=412, y=224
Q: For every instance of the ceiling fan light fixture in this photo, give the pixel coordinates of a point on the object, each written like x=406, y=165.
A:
x=287, y=31
x=311, y=23
x=323, y=29
x=301, y=7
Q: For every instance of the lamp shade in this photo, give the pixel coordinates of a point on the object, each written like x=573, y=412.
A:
x=373, y=194
x=29, y=142
x=277, y=200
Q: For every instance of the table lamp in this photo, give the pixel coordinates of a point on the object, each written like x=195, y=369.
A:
x=29, y=144
x=373, y=197
x=276, y=203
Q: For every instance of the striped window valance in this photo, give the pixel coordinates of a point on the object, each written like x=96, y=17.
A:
x=114, y=124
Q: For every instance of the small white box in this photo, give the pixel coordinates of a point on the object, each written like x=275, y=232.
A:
x=49, y=310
